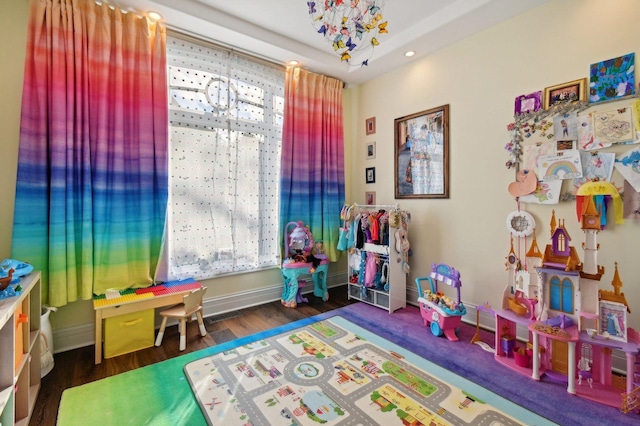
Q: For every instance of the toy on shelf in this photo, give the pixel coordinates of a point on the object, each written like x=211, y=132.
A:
x=299, y=247
x=11, y=272
x=440, y=313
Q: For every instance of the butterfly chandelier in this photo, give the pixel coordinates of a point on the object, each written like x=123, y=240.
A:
x=351, y=26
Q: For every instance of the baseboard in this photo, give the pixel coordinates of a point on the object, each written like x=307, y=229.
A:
x=83, y=335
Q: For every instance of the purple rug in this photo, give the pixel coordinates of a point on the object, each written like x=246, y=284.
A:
x=547, y=398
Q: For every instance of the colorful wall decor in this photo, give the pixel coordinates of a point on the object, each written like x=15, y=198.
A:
x=613, y=126
x=561, y=165
x=612, y=79
x=628, y=165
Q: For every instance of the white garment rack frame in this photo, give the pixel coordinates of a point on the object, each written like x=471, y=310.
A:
x=376, y=206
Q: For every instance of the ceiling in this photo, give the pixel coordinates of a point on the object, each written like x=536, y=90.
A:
x=282, y=30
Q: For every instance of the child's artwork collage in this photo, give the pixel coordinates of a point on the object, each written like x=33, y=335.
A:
x=568, y=140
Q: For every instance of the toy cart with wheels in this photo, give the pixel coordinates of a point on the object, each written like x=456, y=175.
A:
x=440, y=313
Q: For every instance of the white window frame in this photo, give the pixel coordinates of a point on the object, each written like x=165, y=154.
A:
x=225, y=139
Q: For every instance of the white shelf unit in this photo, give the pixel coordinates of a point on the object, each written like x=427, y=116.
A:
x=395, y=296
x=20, y=372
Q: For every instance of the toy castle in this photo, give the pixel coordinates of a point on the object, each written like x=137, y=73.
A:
x=572, y=326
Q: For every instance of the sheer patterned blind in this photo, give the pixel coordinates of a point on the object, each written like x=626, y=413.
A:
x=225, y=138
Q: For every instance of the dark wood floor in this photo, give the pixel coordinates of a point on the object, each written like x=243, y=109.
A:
x=76, y=367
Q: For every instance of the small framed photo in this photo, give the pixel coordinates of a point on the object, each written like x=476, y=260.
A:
x=566, y=93
x=370, y=198
x=371, y=174
x=528, y=103
x=370, y=124
x=371, y=150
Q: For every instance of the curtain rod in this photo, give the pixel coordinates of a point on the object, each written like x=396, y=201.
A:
x=197, y=38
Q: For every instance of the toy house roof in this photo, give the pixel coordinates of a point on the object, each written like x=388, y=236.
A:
x=616, y=295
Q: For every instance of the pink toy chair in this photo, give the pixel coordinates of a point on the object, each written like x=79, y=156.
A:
x=192, y=304
x=584, y=372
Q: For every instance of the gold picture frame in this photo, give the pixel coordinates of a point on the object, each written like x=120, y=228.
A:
x=565, y=93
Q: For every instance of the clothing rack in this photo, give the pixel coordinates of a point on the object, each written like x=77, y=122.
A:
x=377, y=206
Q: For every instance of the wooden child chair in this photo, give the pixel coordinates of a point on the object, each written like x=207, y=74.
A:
x=191, y=304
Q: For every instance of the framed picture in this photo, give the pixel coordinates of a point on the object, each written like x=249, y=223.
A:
x=370, y=198
x=565, y=93
x=371, y=150
x=371, y=174
x=528, y=103
x=421, y=166
x=370, y=125
x=612, y=79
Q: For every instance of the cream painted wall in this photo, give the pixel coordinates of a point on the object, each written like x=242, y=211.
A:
x=13, y=39
x=479, y=78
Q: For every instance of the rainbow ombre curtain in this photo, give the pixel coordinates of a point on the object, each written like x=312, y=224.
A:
x=92, y=168
x=312, y=170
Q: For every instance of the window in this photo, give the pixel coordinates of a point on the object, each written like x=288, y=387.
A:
x=225, y=137
x=561, y=295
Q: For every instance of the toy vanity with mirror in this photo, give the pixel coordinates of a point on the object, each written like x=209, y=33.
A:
x=304, y=256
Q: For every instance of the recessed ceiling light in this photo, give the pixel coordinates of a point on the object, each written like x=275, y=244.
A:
x=155, y=16
x=409, y=53
x=294, y=62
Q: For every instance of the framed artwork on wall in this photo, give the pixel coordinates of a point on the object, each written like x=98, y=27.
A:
x=528, y=103
x=371, y=150
x=370, y=198
x=565, y=93
x=421, y=166
x=370, y=174
x=370, y=125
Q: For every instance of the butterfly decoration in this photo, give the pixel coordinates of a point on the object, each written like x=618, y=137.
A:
x=353, y=27
x=312, y=7
x=350, y=44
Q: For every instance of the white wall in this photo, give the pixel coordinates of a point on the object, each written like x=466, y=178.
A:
x=479, y=78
